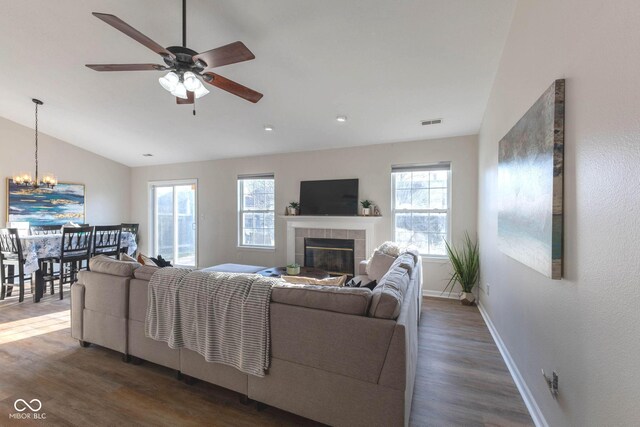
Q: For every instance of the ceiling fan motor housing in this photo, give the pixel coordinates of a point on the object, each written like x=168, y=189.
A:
x=183, y=60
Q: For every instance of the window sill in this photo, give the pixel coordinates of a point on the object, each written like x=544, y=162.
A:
x=257, y=248
x=435, y=259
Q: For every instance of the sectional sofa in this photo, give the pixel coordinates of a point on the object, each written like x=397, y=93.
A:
x=340, y=356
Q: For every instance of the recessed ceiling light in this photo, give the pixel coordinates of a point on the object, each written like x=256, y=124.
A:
x=148, y=155
x=268, y=128
x=341, y=119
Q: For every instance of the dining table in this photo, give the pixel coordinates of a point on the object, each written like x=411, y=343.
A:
x=40, y=247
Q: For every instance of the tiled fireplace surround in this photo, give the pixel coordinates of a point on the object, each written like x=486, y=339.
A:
x=358, y=237
x=360, y=229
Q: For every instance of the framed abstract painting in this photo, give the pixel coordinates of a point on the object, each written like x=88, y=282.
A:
x=530, y=185
x=46, y=206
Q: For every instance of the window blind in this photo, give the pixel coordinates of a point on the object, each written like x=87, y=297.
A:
x=256, y=176
x=441, y=166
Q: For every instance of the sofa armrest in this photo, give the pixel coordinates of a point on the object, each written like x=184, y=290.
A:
x=77, y=305
x=362, y=268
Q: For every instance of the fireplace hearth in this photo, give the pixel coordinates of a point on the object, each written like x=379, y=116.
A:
x=336, y=256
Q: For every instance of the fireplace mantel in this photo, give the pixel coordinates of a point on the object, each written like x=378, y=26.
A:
x=366, y=223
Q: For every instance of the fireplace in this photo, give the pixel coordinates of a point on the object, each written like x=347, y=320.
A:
x=336, y=256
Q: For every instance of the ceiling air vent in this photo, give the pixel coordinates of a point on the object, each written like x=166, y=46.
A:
x=431, y=122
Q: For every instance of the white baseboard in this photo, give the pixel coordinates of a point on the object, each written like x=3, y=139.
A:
x=532, y=406
x=439, y=294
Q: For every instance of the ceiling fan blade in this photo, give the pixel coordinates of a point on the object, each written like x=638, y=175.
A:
x=189, y=100
x=225, y=55
x=122, y=26
x=126, y=67
x=232, y=87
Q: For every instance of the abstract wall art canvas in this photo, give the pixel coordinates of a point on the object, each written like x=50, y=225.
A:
x=530, y=185
x=46, y=206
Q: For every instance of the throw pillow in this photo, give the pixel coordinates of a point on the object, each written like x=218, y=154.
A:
x=125, y=257
x=378, y=265
x=390, y=248
x=371, y=285
x=161, y=262
x=353, y=283
x=145, y=260
x=331, y=281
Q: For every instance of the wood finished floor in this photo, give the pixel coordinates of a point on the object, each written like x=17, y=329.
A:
x=461, y=379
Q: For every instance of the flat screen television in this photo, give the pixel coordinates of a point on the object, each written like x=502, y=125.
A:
x=335, y=197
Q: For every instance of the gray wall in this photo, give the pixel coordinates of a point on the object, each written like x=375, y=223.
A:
x=217, y=198
x=107, y=182
x=584, y=326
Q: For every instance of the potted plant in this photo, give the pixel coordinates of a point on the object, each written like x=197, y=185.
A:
x=293, y=269
x=465, y=263
x=366, y=207
x=292, y=209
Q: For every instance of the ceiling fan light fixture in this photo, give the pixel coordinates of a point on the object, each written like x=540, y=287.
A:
x=180, y=91
x=169, y=81
x=200, y=91
x=191, y=82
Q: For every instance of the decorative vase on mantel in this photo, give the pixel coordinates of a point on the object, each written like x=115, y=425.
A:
x=291, y=211
x=366, y=211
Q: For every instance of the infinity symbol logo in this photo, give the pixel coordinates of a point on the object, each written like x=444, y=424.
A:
x=24, y=405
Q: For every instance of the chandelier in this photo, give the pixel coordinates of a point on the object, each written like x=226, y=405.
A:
x=24, y=179
x=181, y=82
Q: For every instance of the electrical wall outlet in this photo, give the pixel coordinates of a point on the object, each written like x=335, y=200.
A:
x=487, y=288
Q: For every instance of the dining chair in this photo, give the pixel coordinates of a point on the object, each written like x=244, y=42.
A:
x=12, y=258
x=21, y=226
x=130, y=228
x=45, y=230
x=107, y=240
x=46, y=264
x=74, y=249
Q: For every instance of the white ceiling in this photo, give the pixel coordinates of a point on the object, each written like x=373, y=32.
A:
x=387, y=65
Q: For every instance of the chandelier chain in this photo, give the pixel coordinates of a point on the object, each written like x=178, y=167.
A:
x=36, y=144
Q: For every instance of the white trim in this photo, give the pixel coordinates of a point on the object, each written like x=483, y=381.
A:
x=151, y=186
x=439, y=294
x=532, y=406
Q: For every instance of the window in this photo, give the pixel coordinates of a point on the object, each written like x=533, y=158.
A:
x=256, y=204
x=173, y=221
x=421, y=206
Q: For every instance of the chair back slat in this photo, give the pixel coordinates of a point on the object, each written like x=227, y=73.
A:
x=76, y=243
x=45, y=230
x=107, y=240
x=10, y=246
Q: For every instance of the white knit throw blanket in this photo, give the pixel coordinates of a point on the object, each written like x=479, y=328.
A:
x=222, y=316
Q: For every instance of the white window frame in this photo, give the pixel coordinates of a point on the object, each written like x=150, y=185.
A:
x=152, y=208
x=240, y=193
x=417, y=168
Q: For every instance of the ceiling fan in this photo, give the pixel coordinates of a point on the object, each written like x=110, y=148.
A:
x=186, y=67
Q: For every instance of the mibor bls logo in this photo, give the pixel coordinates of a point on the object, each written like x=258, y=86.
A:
x=23, y=407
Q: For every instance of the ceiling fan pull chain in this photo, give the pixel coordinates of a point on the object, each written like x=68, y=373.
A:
x=194, y=106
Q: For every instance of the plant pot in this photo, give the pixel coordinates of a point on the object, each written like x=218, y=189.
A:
x=467, y=298
x=366, y=211
x=291, y=211
x=293, y=271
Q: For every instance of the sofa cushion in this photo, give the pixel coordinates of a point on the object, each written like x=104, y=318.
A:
x=378, y=265
x=331, y=298
x=329, y=281
x=387, y=297
x=145, y=272
x=114, y=267
x=406, y=261
x=234, y=268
